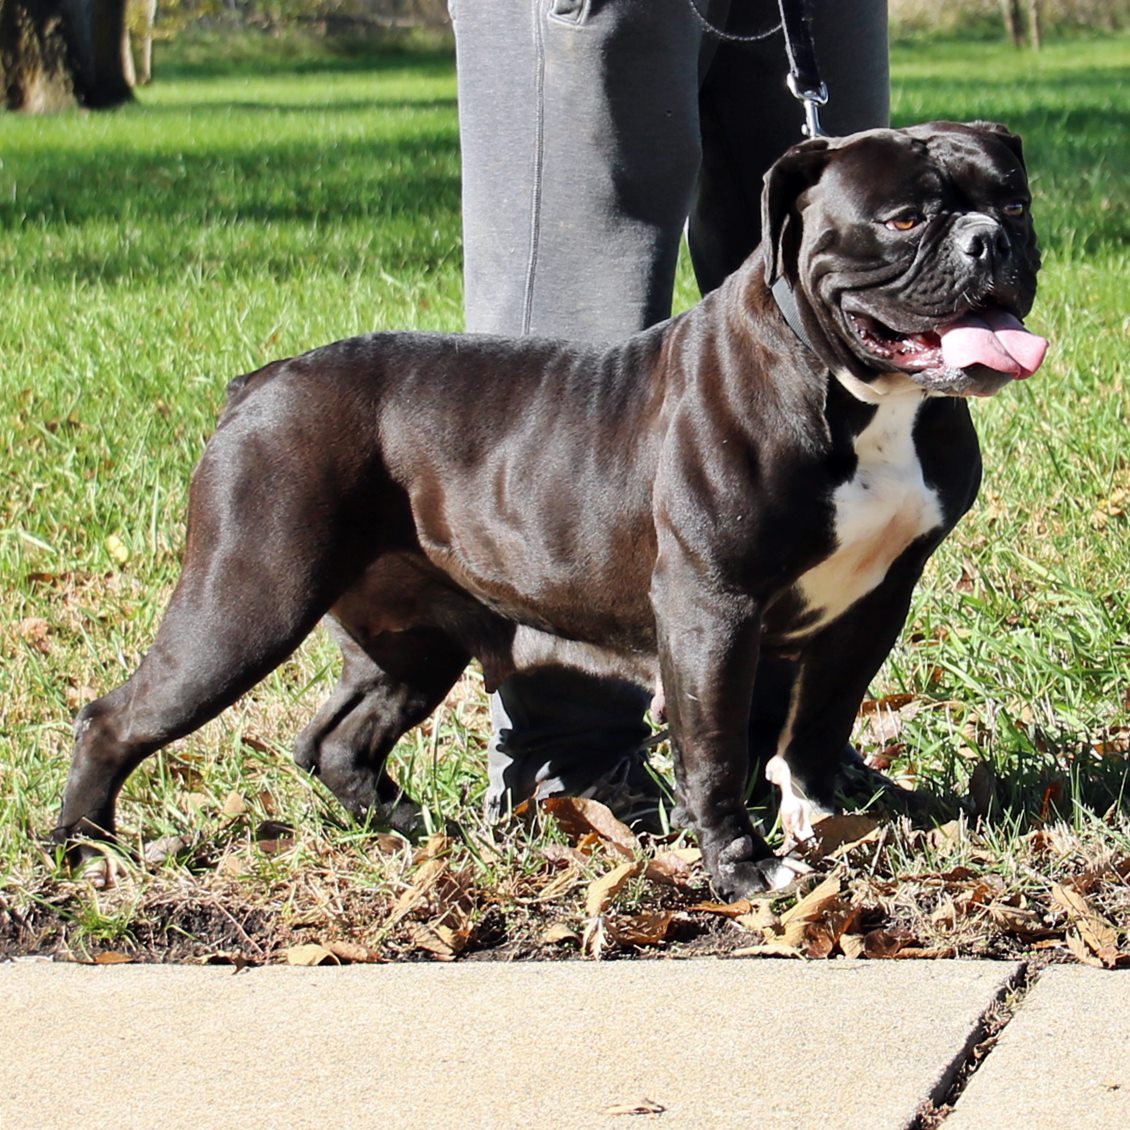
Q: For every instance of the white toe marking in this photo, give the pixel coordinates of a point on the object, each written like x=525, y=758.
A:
x=780, y=876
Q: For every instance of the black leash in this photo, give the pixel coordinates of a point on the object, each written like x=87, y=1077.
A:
x=803, y=79
x=808, y=88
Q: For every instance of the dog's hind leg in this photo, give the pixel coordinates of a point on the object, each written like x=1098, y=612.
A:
x=385, y=689
x=260, y=569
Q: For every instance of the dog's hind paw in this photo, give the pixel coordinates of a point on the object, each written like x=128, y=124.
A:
x=798, y=811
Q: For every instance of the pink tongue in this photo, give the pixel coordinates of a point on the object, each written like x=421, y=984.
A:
x=995, y=339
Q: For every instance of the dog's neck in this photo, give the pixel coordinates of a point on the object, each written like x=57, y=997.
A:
x=878, y=391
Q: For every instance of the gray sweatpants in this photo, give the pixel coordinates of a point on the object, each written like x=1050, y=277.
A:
x=592, y=131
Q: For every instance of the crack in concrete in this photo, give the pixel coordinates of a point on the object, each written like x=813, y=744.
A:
x=977, y=1049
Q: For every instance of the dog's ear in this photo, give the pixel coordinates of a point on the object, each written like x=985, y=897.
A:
x=1002, y=133
x=799, y=168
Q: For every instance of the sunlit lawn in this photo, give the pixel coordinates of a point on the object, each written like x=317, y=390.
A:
x=250, y=211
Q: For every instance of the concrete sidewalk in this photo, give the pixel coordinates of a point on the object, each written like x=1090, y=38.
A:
x=714, y=1043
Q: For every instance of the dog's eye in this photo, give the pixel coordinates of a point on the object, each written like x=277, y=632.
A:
x=905, y=221
x=1014, y=208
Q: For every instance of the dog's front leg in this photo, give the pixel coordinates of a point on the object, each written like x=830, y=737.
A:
x=708, y=645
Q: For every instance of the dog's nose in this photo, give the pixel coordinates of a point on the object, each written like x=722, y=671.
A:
x=982, y=239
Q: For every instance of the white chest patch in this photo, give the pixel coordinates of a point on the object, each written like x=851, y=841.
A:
x=884, y=507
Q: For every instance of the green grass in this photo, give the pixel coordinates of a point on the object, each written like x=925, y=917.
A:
x=250, y=210
x=1032, y=589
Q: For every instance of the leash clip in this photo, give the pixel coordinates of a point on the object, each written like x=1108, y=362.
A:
x=811, y=98
x=803, y=80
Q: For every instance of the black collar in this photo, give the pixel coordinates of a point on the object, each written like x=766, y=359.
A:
x=786, y=303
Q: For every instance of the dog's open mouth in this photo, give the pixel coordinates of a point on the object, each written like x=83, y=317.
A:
x=991, y=337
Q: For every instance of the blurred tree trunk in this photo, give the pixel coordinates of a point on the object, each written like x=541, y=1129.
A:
x=1010, y=10
x=57, y=53
x=146, y=17
x=1035, y=33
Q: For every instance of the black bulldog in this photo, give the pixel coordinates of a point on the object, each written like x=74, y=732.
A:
x=734, y=505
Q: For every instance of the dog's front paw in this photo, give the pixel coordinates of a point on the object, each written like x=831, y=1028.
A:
x=745, y=867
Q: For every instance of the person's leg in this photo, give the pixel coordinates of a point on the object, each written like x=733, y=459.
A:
x=580, y=147
x=749, y=118
x=579, y=129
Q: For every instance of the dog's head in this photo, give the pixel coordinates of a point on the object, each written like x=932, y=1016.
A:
x=911, y=255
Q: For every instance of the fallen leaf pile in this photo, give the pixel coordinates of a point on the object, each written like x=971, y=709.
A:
x=583, y=884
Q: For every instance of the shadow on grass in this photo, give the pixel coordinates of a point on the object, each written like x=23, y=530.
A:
x=206, y=59
x=393, y=105
x=1031, y=792
x=403, y=191
x=1045, y=790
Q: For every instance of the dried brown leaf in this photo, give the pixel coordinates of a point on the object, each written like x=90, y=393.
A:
x=886, y=943
x=769, y=949
x=945, y=915
x=562, y=855
x=389, y=843
x=816, y=923
x=725, y=909
x=435, y=846
x=595, y=939
x=1100, y=937
x=814, y=903
x=1080, y=950
x=925, y=953
x=957, y=875
x=560, y=884
x=883, y=719
x=641, y=1106
x=234, y=806
x=676, y=868
x=761, y=919
x=113, y=957
x=436, y=940
x=559, y=935
x=580, y=815
x=602, y=891
x=839, y=834
x=1018, y=921
x=163, y=848
x=946, y=835
x=353, y=953
x=838, y=923
x=889, y=703
x=416, y=894
x=651, y=928
x=819, y=940
x=312, y=953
